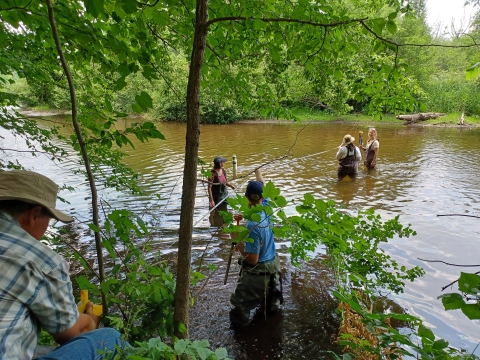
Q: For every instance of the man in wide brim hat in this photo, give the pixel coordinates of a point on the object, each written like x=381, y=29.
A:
x=32, y=188
x=35, y=285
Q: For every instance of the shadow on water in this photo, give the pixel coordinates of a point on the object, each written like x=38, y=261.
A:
x=305, y=328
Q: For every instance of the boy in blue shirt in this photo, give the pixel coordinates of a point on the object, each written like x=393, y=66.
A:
x=259, y=283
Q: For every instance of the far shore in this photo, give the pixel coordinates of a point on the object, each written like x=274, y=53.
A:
x=351, y=119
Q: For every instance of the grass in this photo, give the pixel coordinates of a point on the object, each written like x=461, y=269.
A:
x=304, y=114
x=42, y=108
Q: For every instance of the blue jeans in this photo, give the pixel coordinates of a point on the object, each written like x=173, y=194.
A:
x=86, y=346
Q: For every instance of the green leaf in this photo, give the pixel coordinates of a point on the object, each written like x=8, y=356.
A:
x=120, y=84
x=391, y=27
x=259, y=25
x=180, y=345
x=108, y=105
x=160, y=17
x=472, y=311
x=128, y=6
x=203, y=353
x=137, y=108
x=94, y=227
x=181, y=327
x=469, y=283
x=94, y=7
x=452, y=301
x=115, y=269
x=352, y=302
x=348, y=225
x=144, y=100
x=473, y=71
x=221, y=353
x=3, y=35
x=426, y=332
x=83, y=282
x=440, y=344
x=393, y=15
x=311, y=225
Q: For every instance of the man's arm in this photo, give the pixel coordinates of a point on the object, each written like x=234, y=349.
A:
x=249, y=258
x=258, y=176
x=85, y=323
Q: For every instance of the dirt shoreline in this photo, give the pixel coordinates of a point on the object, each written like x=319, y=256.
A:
x=42, y=113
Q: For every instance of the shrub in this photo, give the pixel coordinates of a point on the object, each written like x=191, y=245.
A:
x=216, y=114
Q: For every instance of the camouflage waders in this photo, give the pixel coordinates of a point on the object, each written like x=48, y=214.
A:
x=260, y=284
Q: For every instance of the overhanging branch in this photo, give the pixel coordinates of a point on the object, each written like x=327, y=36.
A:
x=304, y=22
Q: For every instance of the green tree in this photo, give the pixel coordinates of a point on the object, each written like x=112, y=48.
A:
x=107, y=43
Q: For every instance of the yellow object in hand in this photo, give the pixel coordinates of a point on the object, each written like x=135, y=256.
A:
x=82, y=305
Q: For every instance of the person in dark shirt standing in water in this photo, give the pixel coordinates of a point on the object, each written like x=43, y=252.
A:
x=217, y=188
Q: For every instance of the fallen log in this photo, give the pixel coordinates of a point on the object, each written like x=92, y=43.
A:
x=412, y=119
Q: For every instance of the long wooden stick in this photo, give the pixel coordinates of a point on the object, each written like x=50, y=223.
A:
x=228, y=263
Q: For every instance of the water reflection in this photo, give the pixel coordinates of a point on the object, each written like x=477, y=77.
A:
x=420, y=172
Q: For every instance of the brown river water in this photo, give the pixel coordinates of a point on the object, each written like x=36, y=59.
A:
x=422, y=172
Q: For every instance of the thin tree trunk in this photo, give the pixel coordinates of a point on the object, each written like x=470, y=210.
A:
x=182, y=291
x=462, y=118
x=83, y=149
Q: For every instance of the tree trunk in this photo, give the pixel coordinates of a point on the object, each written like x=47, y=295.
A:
x=182, y=291
x=83, y=150
x=414, y=118
x=462, y=118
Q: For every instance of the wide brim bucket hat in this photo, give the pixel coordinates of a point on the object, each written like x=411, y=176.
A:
x=33, y=188
x=347, y=139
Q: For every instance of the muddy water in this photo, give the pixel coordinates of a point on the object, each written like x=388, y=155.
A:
x=422, y=172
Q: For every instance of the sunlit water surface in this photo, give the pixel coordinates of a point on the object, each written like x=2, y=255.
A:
x=422, y=172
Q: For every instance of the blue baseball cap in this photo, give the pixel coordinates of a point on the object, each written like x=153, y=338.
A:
x=254, y=188
x=219, y=159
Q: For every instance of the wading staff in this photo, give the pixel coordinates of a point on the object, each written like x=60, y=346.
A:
x=237, y=217
x=360, y=138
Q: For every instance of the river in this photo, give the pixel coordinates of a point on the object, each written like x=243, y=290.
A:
x=422, y=172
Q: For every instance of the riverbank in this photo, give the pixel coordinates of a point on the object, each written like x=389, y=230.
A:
x=300, y=115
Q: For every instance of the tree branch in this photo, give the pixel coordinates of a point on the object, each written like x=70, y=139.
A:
x=166, y=80
x=412, y=45
x=440, y=261
x=474, y=216
x=17, y=7
x=149, y=5
x=25, y=151
x=453, y=282
x=304, y=22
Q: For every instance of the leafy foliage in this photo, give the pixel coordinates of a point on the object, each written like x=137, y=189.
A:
x=183, y=349
x=362, y=269
x=469, y=301
x=140, y=293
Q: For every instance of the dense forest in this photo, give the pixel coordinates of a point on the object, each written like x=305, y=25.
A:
x=427, y=78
